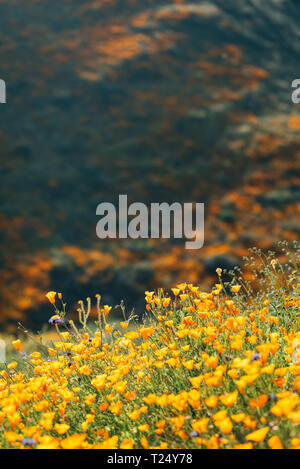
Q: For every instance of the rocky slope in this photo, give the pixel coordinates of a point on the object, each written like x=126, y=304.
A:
x=160, y=100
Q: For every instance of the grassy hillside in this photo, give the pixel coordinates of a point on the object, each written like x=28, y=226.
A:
x=161, y=100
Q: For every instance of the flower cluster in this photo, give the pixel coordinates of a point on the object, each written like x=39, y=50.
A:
x=204, y=370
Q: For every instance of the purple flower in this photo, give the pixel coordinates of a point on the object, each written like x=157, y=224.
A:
x=255, y=357
x=28, y=442
x=55, y=320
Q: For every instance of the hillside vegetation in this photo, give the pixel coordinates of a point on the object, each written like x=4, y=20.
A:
x=166, y=101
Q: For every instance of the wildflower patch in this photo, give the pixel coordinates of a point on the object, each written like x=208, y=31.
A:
x=218, y=369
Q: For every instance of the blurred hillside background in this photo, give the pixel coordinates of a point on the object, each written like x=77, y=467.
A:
x=161, y=100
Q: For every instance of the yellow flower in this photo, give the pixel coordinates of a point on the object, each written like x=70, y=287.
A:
x=134, y=415
x=285, y=405
x=211, y=401
x=61, y=428
x=17, y=344
x=196, y=381
x=47, y=442
x=200, y=426
x=89, y=399
x=275, y=443
x=268, y=369
x=244, y=446
x=131, y=335
x=236, y=288
x=12, y=365
x=146, y=332
x=11, y=437
x=295, y=442
x=143, y=428
x=229, y=399
x=99, y=381
x=116, y=407
x=178, y=421
x=51, y=296
x=189, y=365
x=183, y=297
x=106, y=309
x=120, y=386
x=109, y=443
x=74, y=441
x=126, y=444
x=144, y=443
x=149, y=293
x=103, y=406
x=124, y=326
x=238, y=418
x=224, y=425
x=258, y=435
x=65, y=335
